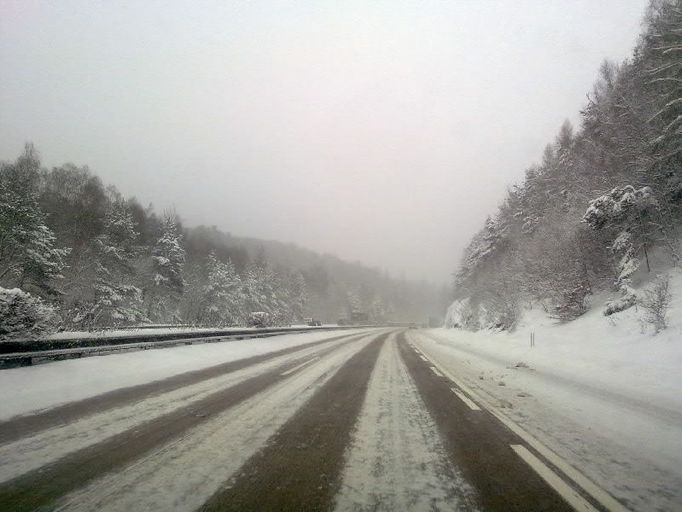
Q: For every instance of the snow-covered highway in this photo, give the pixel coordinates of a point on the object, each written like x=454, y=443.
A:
x=365, y=420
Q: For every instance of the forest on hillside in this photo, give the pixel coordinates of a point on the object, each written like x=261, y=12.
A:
x=78, y=255
x=604, y=198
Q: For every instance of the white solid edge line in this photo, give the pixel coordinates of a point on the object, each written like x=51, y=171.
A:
x=472, y=405
x=298, y=367
x=599, y=494
x=435, y=370
x=565, y=491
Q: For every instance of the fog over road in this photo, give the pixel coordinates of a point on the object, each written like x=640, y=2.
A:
x=360, y=421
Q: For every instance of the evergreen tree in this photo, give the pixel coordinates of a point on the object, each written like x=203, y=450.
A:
x=116, y=300
x=23, y=315
x=28, y=256
x=222, y=296
x=167, y=282
x=353, y=304
x=299, y=297
x=261, y=290
x=377, y=310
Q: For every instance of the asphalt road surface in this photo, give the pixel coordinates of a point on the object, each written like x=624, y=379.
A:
x=353, y=422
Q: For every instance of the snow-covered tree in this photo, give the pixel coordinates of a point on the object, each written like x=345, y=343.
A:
x=169, y=256
x=662, y=46
x=483, y=248
x=116, y=300
x=222, y=299
x=167, y=282
x=295, y=296
x=353, y=303
x=23, y=315
x=629, y=210
x=28, y=256
x=265, y=292
x=377, y=310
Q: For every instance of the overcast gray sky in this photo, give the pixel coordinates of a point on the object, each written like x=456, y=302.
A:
x=380, y=131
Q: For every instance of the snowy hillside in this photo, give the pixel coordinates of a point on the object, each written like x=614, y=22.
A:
x=620, y=349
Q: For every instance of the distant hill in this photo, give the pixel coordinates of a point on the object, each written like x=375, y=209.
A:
x=331, y=281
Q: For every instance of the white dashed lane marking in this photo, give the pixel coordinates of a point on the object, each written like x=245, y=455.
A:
x=436, y=371
x=472, y=405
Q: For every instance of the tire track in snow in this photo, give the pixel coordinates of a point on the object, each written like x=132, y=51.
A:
x=300, y=468
x=49, y=446
x=183, y=474
x=21, y=426
x=396, y=460
x=41, y=487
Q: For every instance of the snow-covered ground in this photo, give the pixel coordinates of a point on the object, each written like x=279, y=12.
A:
x=39, y=387
x=601, y=392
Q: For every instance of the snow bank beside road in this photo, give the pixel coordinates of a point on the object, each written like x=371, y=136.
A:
x=597, y=390
x=591, y=351
x=45, y=386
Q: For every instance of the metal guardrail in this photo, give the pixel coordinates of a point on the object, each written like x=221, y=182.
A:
x=26, y=353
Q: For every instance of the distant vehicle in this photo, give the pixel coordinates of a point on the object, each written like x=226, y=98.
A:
x=413, y=326
x=342, y=321
x=259, y=319
x=314, y=323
